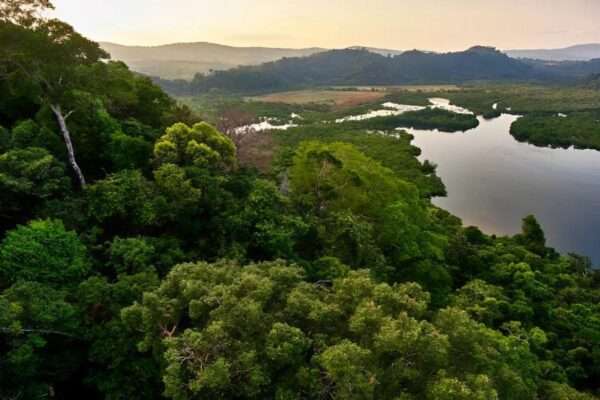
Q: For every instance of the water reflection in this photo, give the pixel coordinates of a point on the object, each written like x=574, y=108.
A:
x=493, y=181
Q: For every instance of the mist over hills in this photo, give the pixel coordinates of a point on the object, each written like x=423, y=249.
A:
x=184, y=60
x=582, y=52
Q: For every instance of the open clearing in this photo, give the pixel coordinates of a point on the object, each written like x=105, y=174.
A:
x=337, y=98
x=345, y=97
x=401, y=88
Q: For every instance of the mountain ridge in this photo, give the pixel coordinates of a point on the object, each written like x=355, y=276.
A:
x=184, y=60
x=578, y=52
x=362, y=67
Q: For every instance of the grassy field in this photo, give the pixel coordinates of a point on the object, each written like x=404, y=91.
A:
x=343, y=97
x=336, y=98
x=541, y=104
x=524, y=99
x=515, y=98
x=407, y=88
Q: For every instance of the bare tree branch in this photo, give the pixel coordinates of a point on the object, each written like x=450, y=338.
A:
x=42, y=331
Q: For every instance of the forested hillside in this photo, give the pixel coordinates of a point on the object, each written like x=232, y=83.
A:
x=185, y=60
x=362, y=67
x=141, y=259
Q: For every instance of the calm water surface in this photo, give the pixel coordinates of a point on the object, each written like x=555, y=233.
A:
x=493, y=181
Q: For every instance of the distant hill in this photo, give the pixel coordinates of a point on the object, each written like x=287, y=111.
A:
x=575, y=69
x=363, y=67
x=582, y=52
x=376, y=50
x=184, y=60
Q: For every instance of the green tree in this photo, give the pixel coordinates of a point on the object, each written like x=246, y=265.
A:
x=28, y=178
x=533, y=236
x=40, y=341
x=123, y=200
x=337, y=177
x=349, y=369
x=52, y=58
x=484, y=302
x=29, y=134
x=265, y=226
x=128, y=152
x=262, y=331
x=43, y=251
x=181, y=198
x=200, y=146
x=121, y=372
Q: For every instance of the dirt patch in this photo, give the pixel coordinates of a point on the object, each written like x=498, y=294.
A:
x=257, y=151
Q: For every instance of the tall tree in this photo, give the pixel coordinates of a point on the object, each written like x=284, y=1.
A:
x=53, y=59
x=533, y=236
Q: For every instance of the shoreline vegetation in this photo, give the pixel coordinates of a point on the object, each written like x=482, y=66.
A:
x=198, y=261
x=552, y=116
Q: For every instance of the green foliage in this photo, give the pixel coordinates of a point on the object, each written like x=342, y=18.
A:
x=5, y=138
x=533, y=236
x=180, y=195
x=338, y=177
x=362, y=67
x=347, y=365
x=525, y=98
x=50, y=68
x=261, y=330
x=125, y=196
x=200, y=145
x=265, y=225
x=580, y=129
x=484, y=302
x=365, y=215
x=43, y=251
x=128, y=373
x=428, y=118
x=395, y=153
x=389, y=297
x=28, y=134
x=131, y=255
x=557, y=391
x=28, y=177
x=40, y=323
x=129, y=152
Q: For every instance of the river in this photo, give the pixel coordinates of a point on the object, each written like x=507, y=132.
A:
x=493, y=181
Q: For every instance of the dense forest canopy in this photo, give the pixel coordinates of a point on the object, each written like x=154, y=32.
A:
x=140, y=259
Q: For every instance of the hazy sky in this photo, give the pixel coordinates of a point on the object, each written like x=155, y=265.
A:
x=399, y=24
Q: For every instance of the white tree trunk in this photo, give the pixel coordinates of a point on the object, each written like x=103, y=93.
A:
x=62, y=122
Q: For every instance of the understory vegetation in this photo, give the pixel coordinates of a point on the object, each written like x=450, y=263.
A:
x=141, y=257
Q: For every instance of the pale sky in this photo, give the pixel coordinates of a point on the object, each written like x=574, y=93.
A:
x=441, y=25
